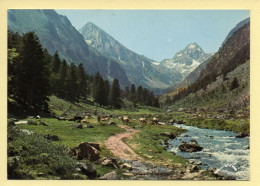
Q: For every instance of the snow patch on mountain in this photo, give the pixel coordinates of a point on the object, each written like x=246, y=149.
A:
x=186, y=60
x=155, y=63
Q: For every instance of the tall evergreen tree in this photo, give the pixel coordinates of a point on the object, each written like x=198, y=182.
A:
x=63, y=80
x=73, y=84
x=106, y=90
x=56, y=62
x=54, y=78
x=115, y=100
x=140, y=94
x=33, y=76
x=127, y=93
x=82, y=81
x=98, y=88
x=133, y=93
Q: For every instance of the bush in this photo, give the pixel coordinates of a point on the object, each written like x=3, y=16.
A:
x=30, y=154
x=234, y=84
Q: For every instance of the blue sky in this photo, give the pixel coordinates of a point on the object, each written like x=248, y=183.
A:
x=159, y=34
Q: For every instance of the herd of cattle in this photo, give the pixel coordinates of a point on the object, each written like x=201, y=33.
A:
x=104, y=118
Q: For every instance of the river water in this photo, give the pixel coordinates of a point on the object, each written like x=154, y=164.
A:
x=220, y=150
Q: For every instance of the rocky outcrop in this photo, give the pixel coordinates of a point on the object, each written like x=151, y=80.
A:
x=192, y=146
x=88, y=170
x=86, y=150
x=109, y=162
x=242, y=135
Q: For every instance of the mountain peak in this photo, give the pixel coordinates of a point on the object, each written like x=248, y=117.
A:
x=187, y=59
x=193, y=47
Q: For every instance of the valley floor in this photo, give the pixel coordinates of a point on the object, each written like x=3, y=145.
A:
x=122, y=150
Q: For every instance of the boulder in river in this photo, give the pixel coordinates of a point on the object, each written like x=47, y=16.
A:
x=127, y=166
x=168, y=134
x=242, y=135
x=192, y=168
x=190, y=147
x=109, y=162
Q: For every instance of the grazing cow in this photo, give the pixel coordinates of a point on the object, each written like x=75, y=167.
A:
x=105, y=119
x=61, y=118
x=125, y=119
x=83, y=121
x=78, y=118
x=143, y=120
x=155, y=120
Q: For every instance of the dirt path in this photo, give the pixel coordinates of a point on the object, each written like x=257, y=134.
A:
x=119, y=148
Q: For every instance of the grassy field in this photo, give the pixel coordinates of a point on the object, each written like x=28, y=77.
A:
x=147, y=142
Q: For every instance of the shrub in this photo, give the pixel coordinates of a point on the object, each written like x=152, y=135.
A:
x=30, y=154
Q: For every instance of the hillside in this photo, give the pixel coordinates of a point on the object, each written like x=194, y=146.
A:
x=194, y=75
x=223, y=84
x=56, y=33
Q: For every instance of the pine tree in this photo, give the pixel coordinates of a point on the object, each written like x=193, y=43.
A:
x=54, y=78
x=63, y=80
x=234, y=84
x=145, y=96
x=156, y=102
x=133, y=94
x=127, y=93
x=115, y=100
x=56, y=62
x=98, y=88
x=73, y=84
x=14, y=47
x=33, y=74
x=140, y=94
x=82, y=81
x=106, y=92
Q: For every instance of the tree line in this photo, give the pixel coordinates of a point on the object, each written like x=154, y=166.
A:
x=34, y=75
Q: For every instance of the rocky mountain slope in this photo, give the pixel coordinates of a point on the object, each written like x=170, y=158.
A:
x=194, y=75
x=140, y=69
x=223, y=83
x=238, y=26
x=57, y=34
